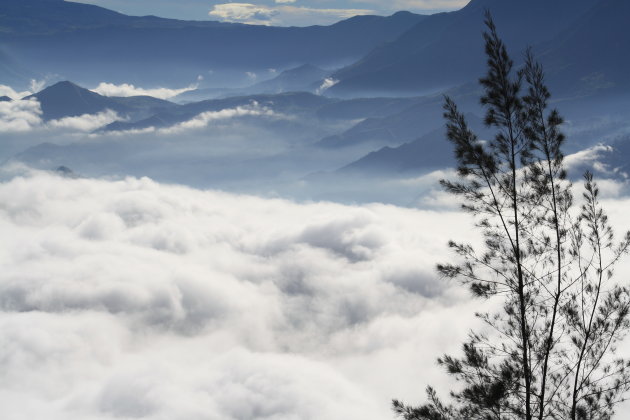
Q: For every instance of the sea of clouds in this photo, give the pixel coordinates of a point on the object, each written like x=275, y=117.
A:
x=127, y=298
x=133, y=299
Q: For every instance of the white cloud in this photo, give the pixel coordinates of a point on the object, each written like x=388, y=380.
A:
x=86, y=122
x=26, y=116
x=243, y=12
x=589, y=159
x=34, y=86
x=135, y=299
x=281, y=15
x=11, y=93
x=20, y=115
x=204, y=119
x=126, y=90
x=326, y=84
x=37, y=85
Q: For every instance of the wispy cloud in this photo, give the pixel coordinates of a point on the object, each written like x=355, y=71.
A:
x=25, y=115
x=125, y=90
x=86, y=122
x=204, y=119
x=35, y=86
x=326, y=84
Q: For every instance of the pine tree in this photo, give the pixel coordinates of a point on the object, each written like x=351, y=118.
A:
x=551, y=353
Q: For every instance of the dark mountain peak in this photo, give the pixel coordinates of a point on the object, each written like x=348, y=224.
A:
x=65, y=92
x=5, y=99
x=66, y=99
x=64, y=86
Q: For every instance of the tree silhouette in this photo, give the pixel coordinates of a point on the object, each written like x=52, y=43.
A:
x=546, y=263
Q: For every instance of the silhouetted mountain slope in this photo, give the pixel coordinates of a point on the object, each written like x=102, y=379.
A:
x=429, y=152
x=447, y=49
x=592, y=55
x=352, y=109
x=5, y=99
x=422, y=115
x=65, y=99
x=84, y=42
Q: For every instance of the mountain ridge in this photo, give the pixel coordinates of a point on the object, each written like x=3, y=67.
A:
x=446, y=49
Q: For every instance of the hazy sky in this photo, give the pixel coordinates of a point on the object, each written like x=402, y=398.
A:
x=275, y=12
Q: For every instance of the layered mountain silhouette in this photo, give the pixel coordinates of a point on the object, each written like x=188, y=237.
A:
x=87, y=43
x=67, y=99
x=582, y=43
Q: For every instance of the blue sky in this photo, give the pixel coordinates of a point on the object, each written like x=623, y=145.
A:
x=274, y=12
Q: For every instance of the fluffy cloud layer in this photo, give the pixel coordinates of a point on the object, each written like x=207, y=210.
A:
x=131, y=299
x=256, y=14
x=125, y=90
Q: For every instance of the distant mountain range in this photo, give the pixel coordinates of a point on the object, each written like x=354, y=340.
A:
x=89, y=44
x=583, y=44
x=389, y=101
